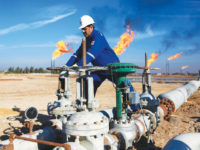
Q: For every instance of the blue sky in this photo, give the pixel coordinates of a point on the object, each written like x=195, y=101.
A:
x=30, y=29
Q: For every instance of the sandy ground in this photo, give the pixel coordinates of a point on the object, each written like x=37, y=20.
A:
x=23, y=91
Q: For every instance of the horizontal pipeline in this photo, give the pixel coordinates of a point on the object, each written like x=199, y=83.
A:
x=172, y=100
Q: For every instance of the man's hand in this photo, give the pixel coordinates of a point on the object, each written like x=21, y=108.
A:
x=75, y=65
x=64, y=66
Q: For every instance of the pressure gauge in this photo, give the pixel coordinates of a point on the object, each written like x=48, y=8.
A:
x=31, y=113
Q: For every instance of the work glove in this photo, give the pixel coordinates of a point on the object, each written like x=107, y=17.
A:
x=75, y=65
x=64, y=67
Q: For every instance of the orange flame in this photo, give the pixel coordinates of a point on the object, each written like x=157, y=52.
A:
x=175, y=56
x=125, y=40
x=184, y=67
x=62, y=48
x=154, y=56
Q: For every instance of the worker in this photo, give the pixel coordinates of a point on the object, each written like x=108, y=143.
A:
x=99, y=53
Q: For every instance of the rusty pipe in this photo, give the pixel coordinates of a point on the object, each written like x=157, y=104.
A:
x=11, y=139
x=14, y=136
x=84, y=51
x=29, y=125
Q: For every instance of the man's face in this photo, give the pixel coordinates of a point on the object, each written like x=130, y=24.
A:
x=87, y=30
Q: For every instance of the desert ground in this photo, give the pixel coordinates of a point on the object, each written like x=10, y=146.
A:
x=19, y=92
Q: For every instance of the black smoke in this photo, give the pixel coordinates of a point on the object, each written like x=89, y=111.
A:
x=180, y=19
x=184, y=35
x=101, y=16
x=192, y=50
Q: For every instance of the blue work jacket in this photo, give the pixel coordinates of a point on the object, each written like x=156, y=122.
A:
x=99, y=53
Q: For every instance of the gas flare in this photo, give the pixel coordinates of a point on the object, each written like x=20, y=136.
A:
x=62, y=48
x=175, y=56
x=125, y=40
x=154, y=56
x=184, y=67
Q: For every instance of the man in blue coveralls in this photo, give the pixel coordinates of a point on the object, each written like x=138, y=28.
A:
x=99, y=53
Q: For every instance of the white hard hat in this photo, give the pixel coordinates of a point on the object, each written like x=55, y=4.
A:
x=85, y=21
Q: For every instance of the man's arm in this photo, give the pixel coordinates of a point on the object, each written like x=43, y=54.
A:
x=75, y=57
x=95, y=49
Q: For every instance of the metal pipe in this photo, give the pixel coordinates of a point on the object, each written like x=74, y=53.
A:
x=84, y=64
x=146, y=61
x=143, y=123
x=189, y=141
x=29, y=125
x=144, y=76
x=47, y=133
x=119, y=103
x=13, y=136
x=129, y=131
x=108, y=113
x=84, y=51
x=173, y=99
x=146, y=122
x=112, y=141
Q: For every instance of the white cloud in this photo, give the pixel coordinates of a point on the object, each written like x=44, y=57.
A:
x=14, y=28
x=148, y=33
x=53, y=45
x=37, y=24
x=75, y=39
x=54, y=19
x=53, y=10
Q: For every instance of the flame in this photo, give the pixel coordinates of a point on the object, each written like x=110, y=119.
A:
x=154, y=56
x=184, y=67
x=175, y=56
x=62, y=48
x=125, y=40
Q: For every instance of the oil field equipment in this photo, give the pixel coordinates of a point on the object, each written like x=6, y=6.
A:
x=76, y=125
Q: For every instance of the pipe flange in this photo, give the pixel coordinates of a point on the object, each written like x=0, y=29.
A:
x=121, y=141
x=168, y=107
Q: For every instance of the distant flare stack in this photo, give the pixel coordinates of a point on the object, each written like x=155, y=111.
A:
x=184, y=67
x=154, y=56
x=63, y=47
x=175, y=56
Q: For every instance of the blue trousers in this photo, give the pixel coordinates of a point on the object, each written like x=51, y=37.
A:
x=99, y=77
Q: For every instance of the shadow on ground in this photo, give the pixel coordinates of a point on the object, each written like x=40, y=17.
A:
x=197, y=118
x=144, y=145
x=41, y=121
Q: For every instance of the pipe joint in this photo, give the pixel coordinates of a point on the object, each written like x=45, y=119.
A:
x=168, y=107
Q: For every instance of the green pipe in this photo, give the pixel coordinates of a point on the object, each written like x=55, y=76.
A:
x=121, y=78
x=119, y=103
